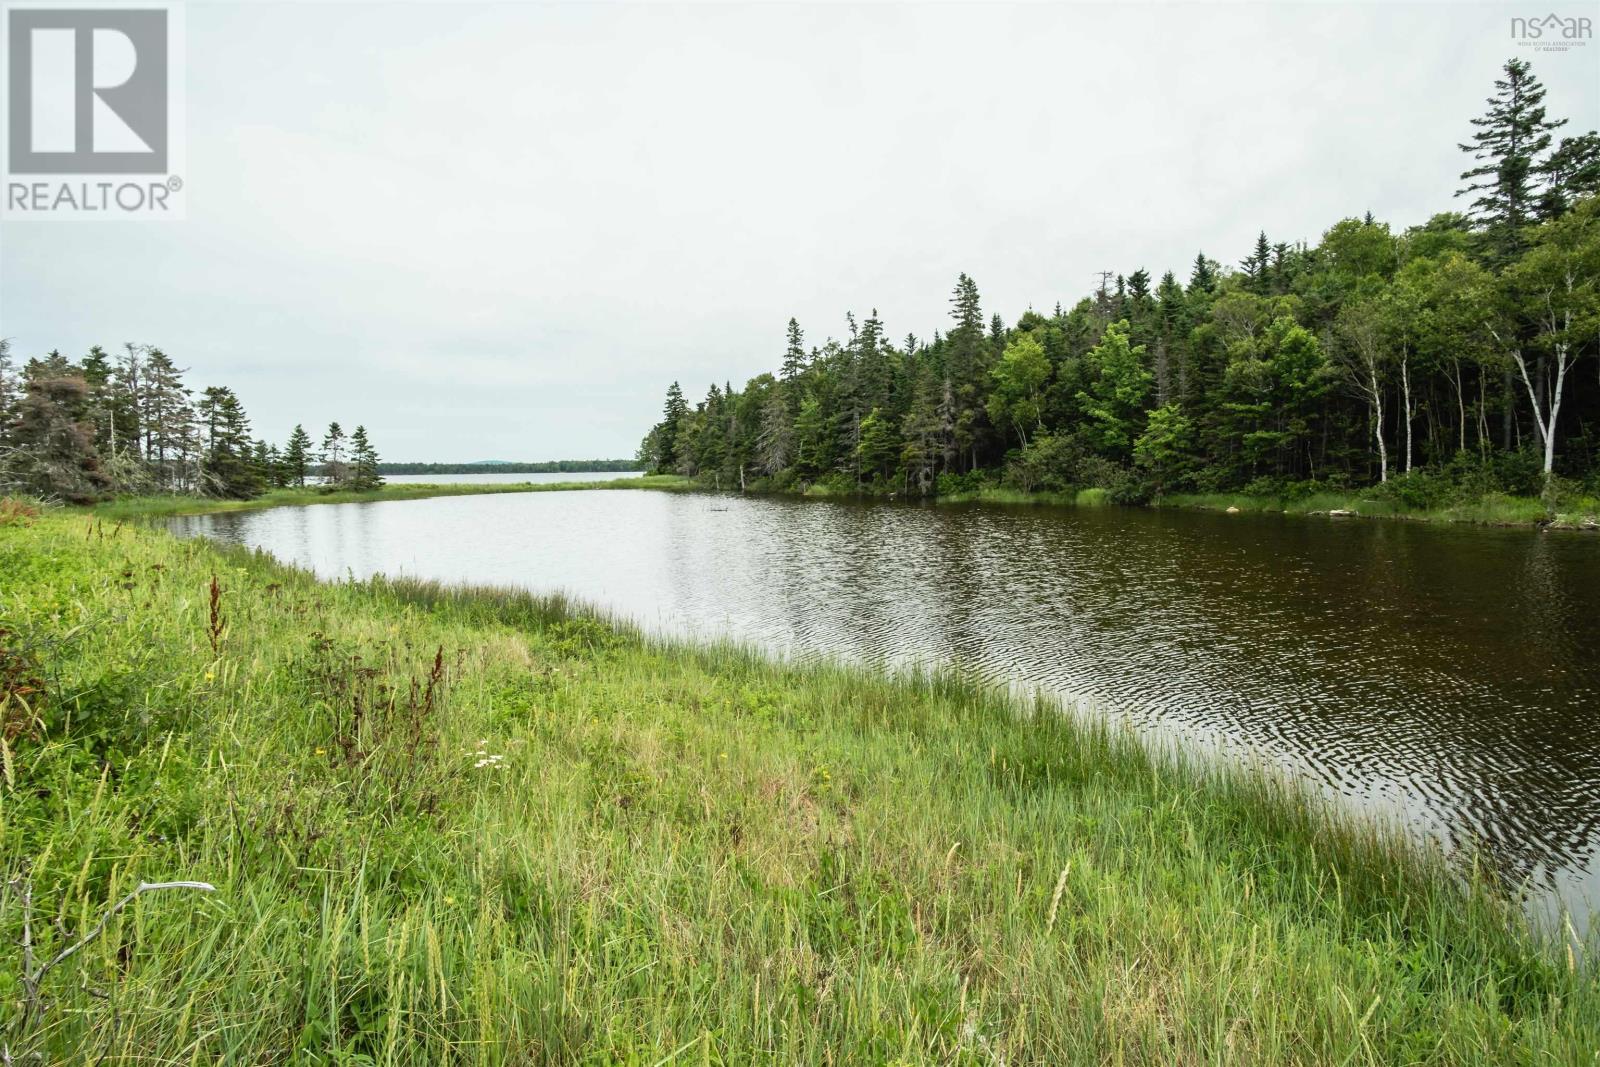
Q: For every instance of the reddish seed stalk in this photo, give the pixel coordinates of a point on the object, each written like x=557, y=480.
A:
x=215, y=626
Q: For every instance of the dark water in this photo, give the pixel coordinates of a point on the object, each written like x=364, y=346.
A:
x=1449, y=677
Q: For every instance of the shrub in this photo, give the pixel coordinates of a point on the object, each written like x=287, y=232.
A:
x=1048, y=463
x=958, y=484
x=14, y=512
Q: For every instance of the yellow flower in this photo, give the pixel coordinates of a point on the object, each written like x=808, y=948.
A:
x=322, y=752
x=211, y=676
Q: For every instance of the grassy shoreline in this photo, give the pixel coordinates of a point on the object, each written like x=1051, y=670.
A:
x=155, y=507
x=475, y=826
x=1492, y=510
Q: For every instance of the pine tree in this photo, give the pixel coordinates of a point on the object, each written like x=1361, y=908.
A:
x=1203, y=275
x=297, y=456
x=924, y=451
x=10, y=388
x=166, y=418
x=334, y=468
x=1571, y=172
x=1511, y=137
x=130, y=393
x=1172, y=343
x=672, y=419
x=966, y=366
x=270, y=462
x=228, y=465
x=52, y=440
x=364, y=475
x=775, y=445
x=1257, y=263
x=794, y=356
x=98, y=375
x=1139, y=286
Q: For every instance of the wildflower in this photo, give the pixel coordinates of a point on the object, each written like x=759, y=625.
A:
x=211, y=676
x=322, y=752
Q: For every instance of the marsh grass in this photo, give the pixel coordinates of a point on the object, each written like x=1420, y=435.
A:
x=678, y=854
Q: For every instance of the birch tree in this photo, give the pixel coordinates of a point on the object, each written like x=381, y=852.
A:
x=1556, y=285
x=1363, y=357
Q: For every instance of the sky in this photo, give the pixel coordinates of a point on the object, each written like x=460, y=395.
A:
x=499, y=231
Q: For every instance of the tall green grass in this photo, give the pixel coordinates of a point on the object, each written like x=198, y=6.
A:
x=482, y=827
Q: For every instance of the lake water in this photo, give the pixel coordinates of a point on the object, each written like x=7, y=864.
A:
x=1448, y=677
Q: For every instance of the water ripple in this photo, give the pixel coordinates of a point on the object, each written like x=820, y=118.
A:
x=1447, y=677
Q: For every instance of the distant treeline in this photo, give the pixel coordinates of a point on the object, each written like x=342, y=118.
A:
x=556, y=466
x=1452, y=357
x=104, y=425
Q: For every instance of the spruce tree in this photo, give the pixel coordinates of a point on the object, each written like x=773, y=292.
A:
x=672, y=416
x=1511, y=136
x=1256, y=264
x=166, y=418
x=297, y=456
x=364, y=475
x=270, y=462
x=98, y=376
x=965, y=365
x=1203, y=275
x=130, y=392
x=53, y=440
x=794, y=356
x=10, y=388
x=1571, y=172
x=229, y=466
x=334, y=468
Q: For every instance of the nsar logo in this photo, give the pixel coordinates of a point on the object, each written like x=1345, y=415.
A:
x=1553, y=33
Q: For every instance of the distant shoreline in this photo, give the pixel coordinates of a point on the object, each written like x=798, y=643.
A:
x=556, y=466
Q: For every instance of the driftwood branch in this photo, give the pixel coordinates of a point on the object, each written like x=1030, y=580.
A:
x=33, y=975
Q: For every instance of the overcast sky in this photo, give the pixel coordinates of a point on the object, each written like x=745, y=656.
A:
x=499, y=231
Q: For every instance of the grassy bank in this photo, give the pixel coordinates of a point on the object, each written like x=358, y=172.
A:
x=477, y=827
x=999, y=495
x=161, y=506
x=1574, y=513
x=1492, y=510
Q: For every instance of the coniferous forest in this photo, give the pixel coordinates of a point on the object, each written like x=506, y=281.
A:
x=108, y=426
x=1451, y=359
